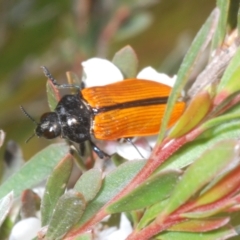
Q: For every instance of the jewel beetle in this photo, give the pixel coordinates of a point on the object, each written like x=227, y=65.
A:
x=128, y=108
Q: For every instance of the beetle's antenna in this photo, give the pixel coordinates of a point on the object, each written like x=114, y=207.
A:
x=49, y=76
x=54, y=81
x=32, y=119
x=27, y=115
x=130, y=141
x=30, y=138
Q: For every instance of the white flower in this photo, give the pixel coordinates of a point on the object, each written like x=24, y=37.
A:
x=151, y=74
x=26, y=229
x=142, y=150
x=114, y=233
x=100, y=72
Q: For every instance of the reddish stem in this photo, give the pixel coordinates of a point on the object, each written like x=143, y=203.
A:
x=159, y=155
x=153, y=229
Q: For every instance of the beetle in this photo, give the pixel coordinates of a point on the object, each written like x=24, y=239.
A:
x=125, y=109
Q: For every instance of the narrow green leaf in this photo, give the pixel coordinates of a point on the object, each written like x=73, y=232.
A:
x=52, y=95
x=233, y=85
x=67, y=212
x=117, y=159
x=224, y=187
x=35, y=170
x=222, y=233
x=233, y=16
x=208, y=211
x=151, y=213
x=55, y=187
x=89, y=184
x=6, y=228
x=136, y=24
x=202, y=171
x=86, y=236
x=200, y=225
x=220, y=120
x=5, y=206
x=229, y=72
x=221, y=29
x=199, y=43
x=154, y=189
x=112, y=185
x=126, y=60
x=197, y=109
x=224, y=129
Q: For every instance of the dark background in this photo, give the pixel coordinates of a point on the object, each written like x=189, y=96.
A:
x=62, y=34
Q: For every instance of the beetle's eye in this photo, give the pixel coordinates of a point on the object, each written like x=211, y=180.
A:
x=49, y=126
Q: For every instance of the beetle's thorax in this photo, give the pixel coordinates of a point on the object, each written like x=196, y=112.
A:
x=74, y=117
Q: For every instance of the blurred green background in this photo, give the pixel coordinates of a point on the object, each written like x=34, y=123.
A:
x=61, y=34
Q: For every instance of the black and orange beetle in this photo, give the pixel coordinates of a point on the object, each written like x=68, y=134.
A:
x=133, y=107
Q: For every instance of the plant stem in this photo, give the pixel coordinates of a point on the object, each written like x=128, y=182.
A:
x=160, y=154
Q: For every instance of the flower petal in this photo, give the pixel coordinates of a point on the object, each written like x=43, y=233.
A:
x=99, y=72
x=25, y=229
x=124, y=230
x=128, y=151
x=151, y=74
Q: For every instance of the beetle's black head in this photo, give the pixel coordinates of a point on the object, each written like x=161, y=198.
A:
x=49, y=126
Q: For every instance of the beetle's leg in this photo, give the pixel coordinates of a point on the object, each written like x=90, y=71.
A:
x=82, y=148
x=130, y=141
x=98, y=151
x=54, y=81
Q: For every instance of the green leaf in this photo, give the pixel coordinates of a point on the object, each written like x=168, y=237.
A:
x=126, y=60
x=117, y=159
x=219, y=234
x=112, y=185
x=197, y=109
x=200, y=225
x=55, y=188
x=201, y=172
x=233, y=85
x=224, y=129
x=208, y=211
x=5, y=206
x=186, y=68
x=134, y=25
x=151, y=213
x=6, y=228
x=35, y=170
x=67, y=212
x=232, y=67
x=154, y=189
x=219, y=190
x=52, y=95
x=220, y=120
x=221, y=29
x=89, y=184
x=86, y=236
